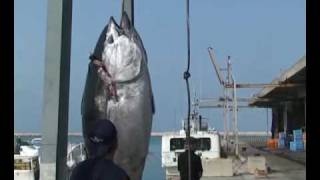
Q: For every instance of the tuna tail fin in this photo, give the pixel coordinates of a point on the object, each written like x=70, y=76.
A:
x=125, y=23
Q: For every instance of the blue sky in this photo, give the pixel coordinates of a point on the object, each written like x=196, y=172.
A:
x=262, y=38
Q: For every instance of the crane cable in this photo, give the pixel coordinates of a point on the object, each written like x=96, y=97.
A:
x=186, y=76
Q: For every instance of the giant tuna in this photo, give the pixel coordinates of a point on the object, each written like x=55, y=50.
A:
x=118, y=87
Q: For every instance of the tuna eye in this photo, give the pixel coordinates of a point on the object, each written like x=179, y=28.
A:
x=110, y=39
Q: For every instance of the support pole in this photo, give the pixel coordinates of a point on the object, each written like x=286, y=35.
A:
x=128, y=7
x=228, y=121
x=56, y=91
x=274, y=121
x=225, y=116
x=285, y=117
x=226, y=105
x=235, y=111
x=267, y=123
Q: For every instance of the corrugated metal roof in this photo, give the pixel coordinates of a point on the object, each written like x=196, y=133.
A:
x=274, y=95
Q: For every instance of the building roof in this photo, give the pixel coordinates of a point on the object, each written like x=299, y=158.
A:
x=295, y=76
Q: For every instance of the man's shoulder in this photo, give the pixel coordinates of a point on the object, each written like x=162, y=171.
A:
x=114, y=168
x=101, y=166
x=81, y=170
x=83, y=164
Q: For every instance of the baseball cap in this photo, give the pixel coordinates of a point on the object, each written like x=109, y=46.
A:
x=102, y=137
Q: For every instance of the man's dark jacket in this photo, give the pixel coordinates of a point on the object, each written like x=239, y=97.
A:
x=98, y=169
x=196, y=166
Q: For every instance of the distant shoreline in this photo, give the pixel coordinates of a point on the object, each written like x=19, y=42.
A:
x=158, y=134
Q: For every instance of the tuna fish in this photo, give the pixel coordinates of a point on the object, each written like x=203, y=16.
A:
x=118, y=87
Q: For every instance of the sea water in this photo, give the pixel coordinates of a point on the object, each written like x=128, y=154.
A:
x=153, y=169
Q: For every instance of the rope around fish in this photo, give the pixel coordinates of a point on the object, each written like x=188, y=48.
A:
x=108, y=80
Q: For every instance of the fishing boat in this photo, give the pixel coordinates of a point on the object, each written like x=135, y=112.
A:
x=27, y=158
x=76, y=154
x=173, y=144
x=26, y=161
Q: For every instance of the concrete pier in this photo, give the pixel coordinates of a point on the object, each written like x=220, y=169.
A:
x=280, y=167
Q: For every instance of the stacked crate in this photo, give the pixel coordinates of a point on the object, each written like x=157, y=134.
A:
x=297, y=143
x=272, y=144
x=282, y=140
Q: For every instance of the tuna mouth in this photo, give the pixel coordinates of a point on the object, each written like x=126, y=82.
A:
x=125, y=25
x=112, y=20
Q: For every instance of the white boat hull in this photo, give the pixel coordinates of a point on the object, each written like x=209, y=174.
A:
x=170, y=155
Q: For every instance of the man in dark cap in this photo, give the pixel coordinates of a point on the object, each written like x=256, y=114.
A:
x=196, y=165
x=102, y=146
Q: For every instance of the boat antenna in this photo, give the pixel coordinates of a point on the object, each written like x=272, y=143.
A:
x=186, y=76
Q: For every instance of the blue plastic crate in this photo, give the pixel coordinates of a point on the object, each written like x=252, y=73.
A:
x=282, y=135
x=296, y=146
x=281, y=144
x=297, y=132
x=298, y=139
x=281, y=141
x=297, y=136
x=299, y=143
x=296, y=150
